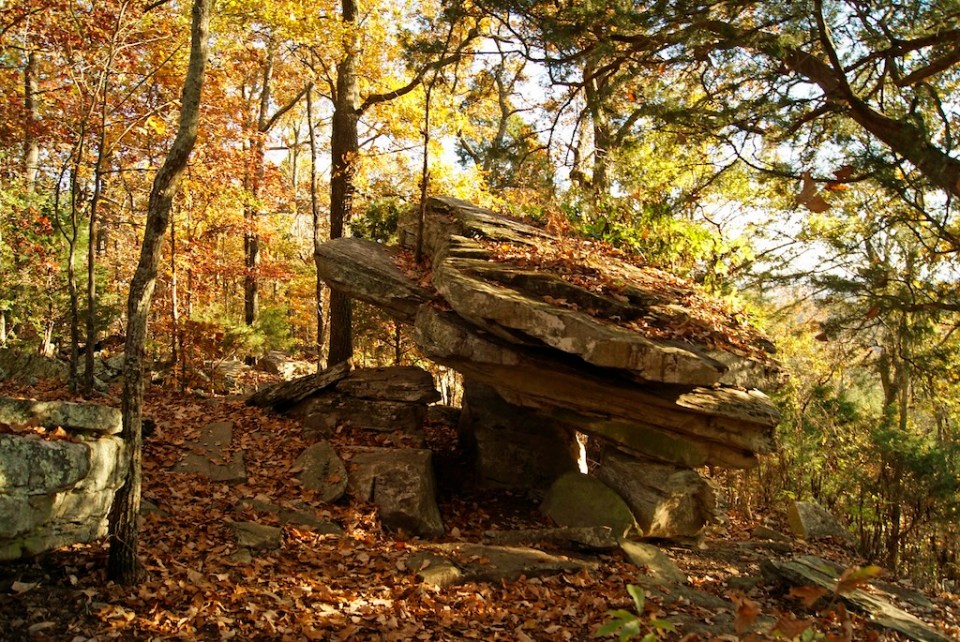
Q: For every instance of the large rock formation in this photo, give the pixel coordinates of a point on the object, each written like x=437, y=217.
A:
x=55, y=492
x=629, y=355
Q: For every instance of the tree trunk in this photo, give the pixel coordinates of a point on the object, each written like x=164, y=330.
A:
x=31, y=149
x=251, y=213
x=124, y=566
x=597, y=94
x=318, y=232
x=93, y=236
x=345, y=147
x=174, y=309
x=72, y=266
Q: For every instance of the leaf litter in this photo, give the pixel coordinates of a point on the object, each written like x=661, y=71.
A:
x=356, y=586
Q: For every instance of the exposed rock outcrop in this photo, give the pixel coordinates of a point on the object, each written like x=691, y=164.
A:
x=29, y=367
x=57, y=492
x=582, y=343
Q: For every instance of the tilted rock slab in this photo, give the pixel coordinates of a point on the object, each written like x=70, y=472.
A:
x=690, y=426
x=809, y=571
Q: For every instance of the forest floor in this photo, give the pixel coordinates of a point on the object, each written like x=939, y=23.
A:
x=355, y=586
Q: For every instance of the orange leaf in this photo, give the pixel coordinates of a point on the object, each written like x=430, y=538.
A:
x=790, y=627
x=807, y=594
x=747, y=612
x=845, y=172
x=855, y=577
x=810, y=197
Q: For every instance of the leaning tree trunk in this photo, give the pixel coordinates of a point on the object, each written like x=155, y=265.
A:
x=345, y=147
x=124, y=566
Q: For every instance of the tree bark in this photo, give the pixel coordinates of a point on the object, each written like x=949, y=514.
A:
x=31, y=149
x=251, y=213
x=318, y=232
x=124, y=565
x=345, y=147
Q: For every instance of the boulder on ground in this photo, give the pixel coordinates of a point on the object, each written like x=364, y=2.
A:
x=401, y=483
x=578, y=500
x=512, y=446
x=810, y=521
x=668, y=501
x=659, y=568
x=322, y=470
x=279, y=363
x=30, y=367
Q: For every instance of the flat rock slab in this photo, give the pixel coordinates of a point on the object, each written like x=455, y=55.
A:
x=586, y=537
x=660, y=568
x=209, y=456
x=395, y=383
x=301, y=517
x=84, y=417
x=451, y=564
x=322, y=415
x=808, y=570
x=322, y=470
x=256, y=536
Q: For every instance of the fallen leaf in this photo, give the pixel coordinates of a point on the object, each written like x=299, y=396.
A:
x=23, y=587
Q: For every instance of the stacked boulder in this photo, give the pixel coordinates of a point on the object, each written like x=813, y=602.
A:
x=57, y=486
x=399, y=481
x=568, y=341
